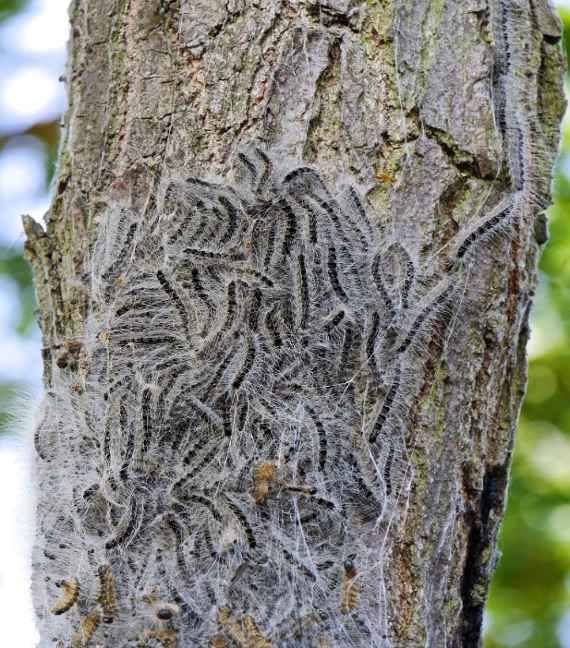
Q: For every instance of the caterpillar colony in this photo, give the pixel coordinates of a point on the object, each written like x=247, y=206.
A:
x=238, y=438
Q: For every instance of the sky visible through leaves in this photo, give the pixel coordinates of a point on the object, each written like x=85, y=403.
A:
x=530, y=597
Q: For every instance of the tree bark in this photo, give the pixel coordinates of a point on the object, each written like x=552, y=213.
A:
x=368, y=180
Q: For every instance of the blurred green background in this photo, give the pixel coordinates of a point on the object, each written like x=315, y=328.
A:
x=530, y=597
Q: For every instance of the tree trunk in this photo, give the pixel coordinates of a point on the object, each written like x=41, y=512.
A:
x=284, y=293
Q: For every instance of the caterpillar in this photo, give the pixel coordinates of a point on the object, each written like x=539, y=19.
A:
x=70, y=594
x=87, y=629
x=349, y=588
x=129, y=525
x=218, y=641
x=264, y=474
x=107, y=596
x=254, y=637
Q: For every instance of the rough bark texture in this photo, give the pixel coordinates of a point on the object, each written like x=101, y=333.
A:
x=413, y=103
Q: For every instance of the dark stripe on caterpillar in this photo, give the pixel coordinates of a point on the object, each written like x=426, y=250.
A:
x=347, y=347
x=270, y=247
x=213, y=256
x=264, y=180
x=379, y=283
x=386, y=406
x=231, y=307
x=126, y=430
x=408, y=270
x=303, y=292
x=254, y=309
x=232, y=213
x=387, y=469
x=483, y=229
x=335, y=321
x=291, y=231
x=322, y=435
x=178, y=303
x=128, y=525
x=247, y=365
x=146, y=419
x=333, y=275
x=38, y=434
x=119, y=261
x=371, y=344
x=273, y=329
x=421, y=318
x=355, y=198
x=199, y=289
x=248, y=165
x=250, y=537
x=298, y=564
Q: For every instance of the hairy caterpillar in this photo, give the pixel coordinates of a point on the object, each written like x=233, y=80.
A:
x=69, y=596
x=349, y=588
x=264, y=474
x=232, y=627
x=88, y=627
x=245, y=633
x=526, y=157
x=254, y=637
x=107, y=597
x=218, y=641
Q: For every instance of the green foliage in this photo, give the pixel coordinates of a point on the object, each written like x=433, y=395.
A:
x=10, y=7
x=13, y=265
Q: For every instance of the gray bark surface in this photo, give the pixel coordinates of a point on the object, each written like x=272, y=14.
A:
x=407, y=102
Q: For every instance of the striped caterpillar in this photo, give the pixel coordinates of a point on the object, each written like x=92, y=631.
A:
x=526, y=157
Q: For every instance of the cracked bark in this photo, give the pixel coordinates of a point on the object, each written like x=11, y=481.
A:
x=399, y=95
